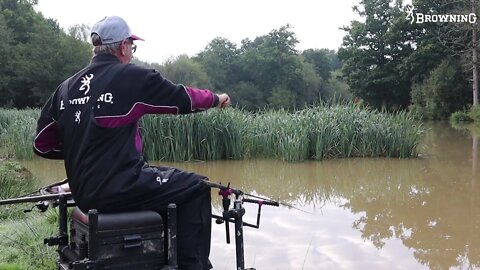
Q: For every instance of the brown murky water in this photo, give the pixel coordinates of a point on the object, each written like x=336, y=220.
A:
x=363, y=213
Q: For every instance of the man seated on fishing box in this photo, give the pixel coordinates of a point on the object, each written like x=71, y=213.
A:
x=91, y=121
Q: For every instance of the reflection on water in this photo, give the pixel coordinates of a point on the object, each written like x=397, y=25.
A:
x=365, y=213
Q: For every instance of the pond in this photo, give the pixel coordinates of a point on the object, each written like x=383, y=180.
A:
x=362, y=213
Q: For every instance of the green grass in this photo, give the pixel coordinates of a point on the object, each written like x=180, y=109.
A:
x=21, y=234
x=14, y=181
x=21, y=242
x=314, y=133
x=4, y=266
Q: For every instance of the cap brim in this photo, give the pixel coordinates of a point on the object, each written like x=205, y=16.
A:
x=134, y=37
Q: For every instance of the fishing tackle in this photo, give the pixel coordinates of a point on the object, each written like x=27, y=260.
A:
x=235, y=215
x=83, y=246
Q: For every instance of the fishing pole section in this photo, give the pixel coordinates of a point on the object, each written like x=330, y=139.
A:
x=79, y=248
x=43, y=197
x=235, y=215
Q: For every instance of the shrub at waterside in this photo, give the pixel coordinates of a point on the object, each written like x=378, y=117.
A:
x=474, y=113
x=323, y=132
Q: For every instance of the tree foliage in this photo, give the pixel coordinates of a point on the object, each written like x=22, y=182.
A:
x=442, y=92
x=185, y=70
x=267, y=71
x=373, y=51
x=386, y=57
x=37, y=54
x=220, y=59
x=384, y=60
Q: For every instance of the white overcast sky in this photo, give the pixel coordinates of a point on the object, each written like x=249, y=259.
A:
x=175, y=27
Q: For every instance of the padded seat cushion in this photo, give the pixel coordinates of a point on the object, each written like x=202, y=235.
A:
x=122, y=220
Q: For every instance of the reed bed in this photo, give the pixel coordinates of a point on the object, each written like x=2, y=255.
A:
x=17, y=129
x=323, y=132
x=314, y=133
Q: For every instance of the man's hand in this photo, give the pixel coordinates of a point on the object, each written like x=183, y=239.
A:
x=223, y=101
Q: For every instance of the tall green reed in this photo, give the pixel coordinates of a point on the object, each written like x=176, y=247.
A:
x=211, y=135
x=318, y=132
x=17, y=128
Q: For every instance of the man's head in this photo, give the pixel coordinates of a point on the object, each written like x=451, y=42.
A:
x=113, y=36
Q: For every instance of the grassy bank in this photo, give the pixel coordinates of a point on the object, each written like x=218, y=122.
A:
x=21, y=242
x=315, y=133
x=21, y=234
x=14, y=181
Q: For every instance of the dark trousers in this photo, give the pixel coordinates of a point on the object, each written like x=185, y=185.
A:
x=194, y=232
x=194, y=212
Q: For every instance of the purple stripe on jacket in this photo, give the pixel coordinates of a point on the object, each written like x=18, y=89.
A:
x=47, y=139
x=137, y=111
x=201, y=99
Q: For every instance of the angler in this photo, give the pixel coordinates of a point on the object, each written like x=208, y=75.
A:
x=100, y=142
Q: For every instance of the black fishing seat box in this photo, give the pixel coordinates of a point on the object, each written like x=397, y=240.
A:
x=130, y=240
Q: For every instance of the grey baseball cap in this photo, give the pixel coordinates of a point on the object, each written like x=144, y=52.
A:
x=112, y=29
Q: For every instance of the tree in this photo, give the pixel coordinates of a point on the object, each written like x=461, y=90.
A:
x=475, y=48
x=184, y=70
x=42, y=57
x=372, y=53
x=246, y=95
x=462, y=39
x=320, y=60
x=272, y=62
x=219, y=60
x=6, y=50
x=281, y=97
x=443, y=92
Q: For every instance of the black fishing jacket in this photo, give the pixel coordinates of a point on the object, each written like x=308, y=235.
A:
x=91, y=121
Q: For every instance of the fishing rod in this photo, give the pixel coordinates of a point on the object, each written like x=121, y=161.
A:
x=47, y=188
x=262, y=200
x=281, y=203
x=43, y=197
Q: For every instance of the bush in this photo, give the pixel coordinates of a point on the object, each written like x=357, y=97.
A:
x=474, y=113
x=443, y=92
x=460, y=116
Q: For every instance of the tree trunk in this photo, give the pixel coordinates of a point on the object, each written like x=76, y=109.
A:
x=474, y=158
x=475, y=57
